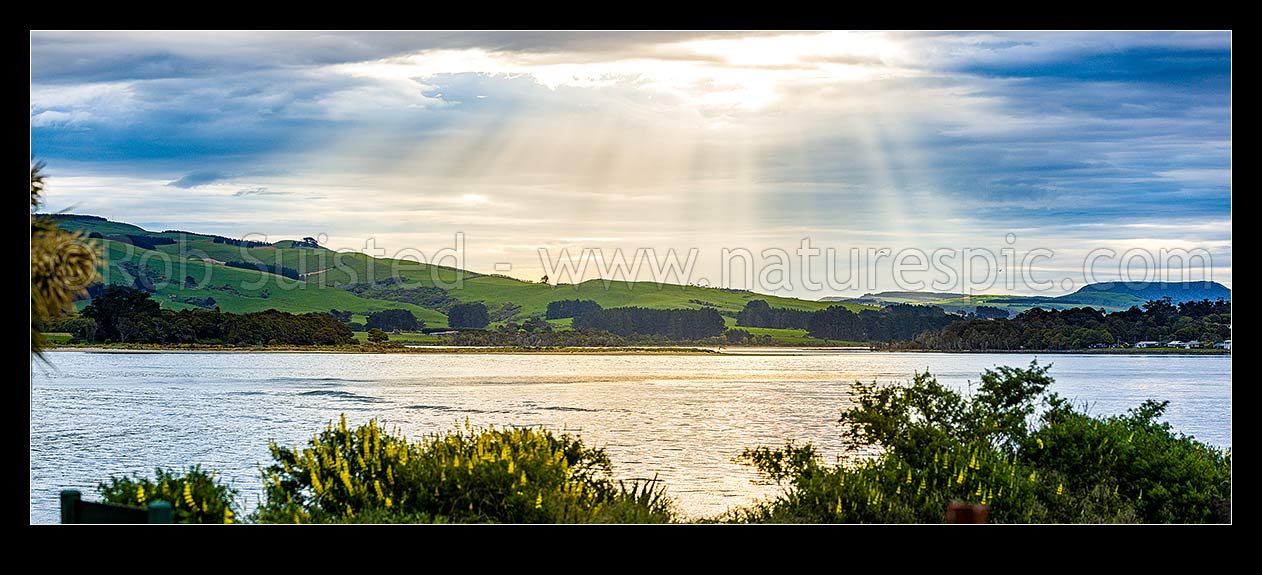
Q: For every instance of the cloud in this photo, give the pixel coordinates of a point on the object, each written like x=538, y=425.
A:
x=198, y=178
x=649, y=138
x=258, y=192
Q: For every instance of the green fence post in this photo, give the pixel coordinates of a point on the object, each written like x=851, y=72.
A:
x=70, y=506
x=161, y=512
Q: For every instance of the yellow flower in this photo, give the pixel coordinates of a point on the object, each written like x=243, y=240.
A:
x=140, y=494
x=539, y=501
x=227, y=515
x=960, y=479
x=1060, y=488
x=1040, y=442
x=188, y=496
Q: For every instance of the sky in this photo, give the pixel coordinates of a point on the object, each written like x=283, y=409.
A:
x=1019, y=162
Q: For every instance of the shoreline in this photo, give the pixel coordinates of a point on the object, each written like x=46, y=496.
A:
x=629, y=350
x=1106, y=351
x=389, y=350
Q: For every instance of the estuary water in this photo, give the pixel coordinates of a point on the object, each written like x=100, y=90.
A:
x=682, y=418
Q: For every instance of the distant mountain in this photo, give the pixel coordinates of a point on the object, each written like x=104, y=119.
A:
x=1177, y=291
x=1112, y=296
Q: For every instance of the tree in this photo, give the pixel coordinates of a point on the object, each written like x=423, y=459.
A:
x=570, y=308
x=394, y=319
x=471, y=315
x=375, y=335
x=83, y=328
x=63, y=265
x=122, y=313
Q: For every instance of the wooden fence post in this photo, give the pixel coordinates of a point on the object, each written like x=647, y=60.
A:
x=70, y=506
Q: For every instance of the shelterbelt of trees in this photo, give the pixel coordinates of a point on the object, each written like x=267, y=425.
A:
x=120, y=314
x=125, y=315
x=907, y=326
x=892, y=323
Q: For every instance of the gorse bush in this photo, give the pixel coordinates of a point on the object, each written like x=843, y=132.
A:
x=196, y=496
x=465, y=475
x=915, y=448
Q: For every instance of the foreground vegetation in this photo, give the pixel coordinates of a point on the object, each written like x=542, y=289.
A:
x=912, y=450
x=916, y=448
x=368, y=474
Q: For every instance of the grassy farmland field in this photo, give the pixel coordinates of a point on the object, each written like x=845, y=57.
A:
x=191, y=273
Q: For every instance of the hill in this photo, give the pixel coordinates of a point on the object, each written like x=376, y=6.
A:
x=186, y=269
x=1179, y=292
x=1110, y=296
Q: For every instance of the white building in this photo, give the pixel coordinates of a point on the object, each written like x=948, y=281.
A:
x=1147, y=344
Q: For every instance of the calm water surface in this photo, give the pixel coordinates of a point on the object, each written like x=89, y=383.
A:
x=681, y=417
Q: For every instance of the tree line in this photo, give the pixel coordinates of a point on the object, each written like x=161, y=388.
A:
x=896, y=322
x=1078, y=328
x=143, y=242
x=277, y=269
x=564, y=308
x=126, y=315
x=239, y=243
x=759, y=313
x=678, y=324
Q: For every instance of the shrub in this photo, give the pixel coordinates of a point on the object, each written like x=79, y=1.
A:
x=464, y=475
x=917, y=447
x=377, y=336
x=196, y=496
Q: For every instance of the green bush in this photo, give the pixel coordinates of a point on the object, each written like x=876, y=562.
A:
x=465, y=475
x=195, y=495
x=916, y=448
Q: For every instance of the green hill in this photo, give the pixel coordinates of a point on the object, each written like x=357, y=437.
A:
x=1111, y=296
x=191, y=272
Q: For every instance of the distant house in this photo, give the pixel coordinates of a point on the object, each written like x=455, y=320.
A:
x=1190, y=344
x=1225, y=344
x=1148, y=344
x=1175, y=343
